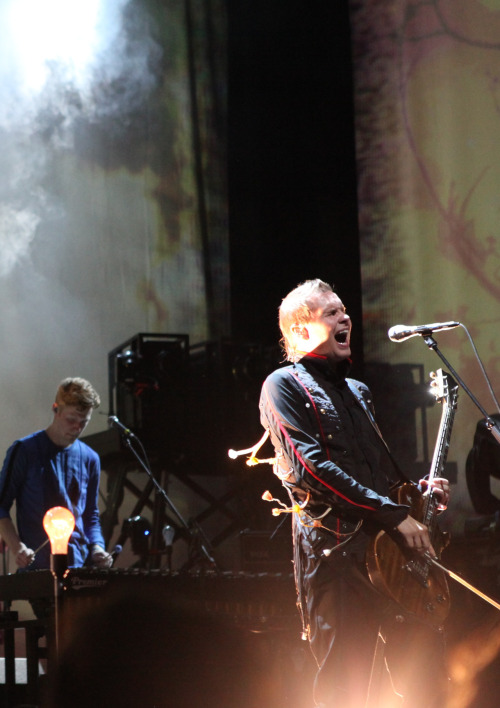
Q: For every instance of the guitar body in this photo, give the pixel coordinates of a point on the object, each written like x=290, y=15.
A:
x=413, y=582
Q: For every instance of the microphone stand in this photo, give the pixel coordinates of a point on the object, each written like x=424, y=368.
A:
x=495, y=431
x=126, y=437
x=491, y=425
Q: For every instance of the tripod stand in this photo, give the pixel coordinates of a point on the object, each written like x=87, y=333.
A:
x=198, y=544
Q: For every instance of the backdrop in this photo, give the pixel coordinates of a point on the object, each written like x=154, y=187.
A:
x=112, y=188
x=427, y=99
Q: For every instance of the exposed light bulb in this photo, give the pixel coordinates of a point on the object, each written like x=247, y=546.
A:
x=59, y=523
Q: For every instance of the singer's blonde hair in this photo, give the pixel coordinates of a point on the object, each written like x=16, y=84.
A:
x=295, y=309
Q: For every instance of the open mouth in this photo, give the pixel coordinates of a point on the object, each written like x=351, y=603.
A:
x=341, y=337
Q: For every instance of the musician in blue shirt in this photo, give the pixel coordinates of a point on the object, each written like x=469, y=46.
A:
x=52, y=467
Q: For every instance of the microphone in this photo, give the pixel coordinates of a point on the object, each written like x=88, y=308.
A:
x=399, y=333
x=168, y=533
x=113, y=422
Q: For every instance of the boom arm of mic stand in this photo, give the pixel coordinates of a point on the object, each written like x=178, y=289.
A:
x=490, y=423
x=167, y=499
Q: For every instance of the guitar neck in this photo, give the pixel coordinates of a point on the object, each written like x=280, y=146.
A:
x=442, y=443
x=448, y=396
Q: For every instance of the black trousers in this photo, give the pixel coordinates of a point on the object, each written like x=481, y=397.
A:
x=348, y=620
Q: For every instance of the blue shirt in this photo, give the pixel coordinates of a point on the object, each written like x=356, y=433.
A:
x=39, y=475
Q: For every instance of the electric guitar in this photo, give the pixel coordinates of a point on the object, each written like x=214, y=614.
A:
x=413, y=581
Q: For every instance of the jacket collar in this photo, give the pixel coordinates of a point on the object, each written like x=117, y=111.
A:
x=335, y=372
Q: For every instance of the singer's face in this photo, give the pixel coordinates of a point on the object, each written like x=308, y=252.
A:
x=329, y=331
x=68, y=424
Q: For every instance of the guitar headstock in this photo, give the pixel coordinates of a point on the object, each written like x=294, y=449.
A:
x=443, y=387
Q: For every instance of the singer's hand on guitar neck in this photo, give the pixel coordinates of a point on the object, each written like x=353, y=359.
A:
x=440, y=487
x=416, y=536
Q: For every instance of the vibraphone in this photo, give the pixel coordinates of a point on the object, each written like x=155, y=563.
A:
x=257, y=601
x=262, y=606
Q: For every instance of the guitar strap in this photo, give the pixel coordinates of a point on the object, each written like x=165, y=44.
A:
x=357, y=392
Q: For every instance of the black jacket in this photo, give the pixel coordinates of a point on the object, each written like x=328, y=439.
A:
x=328, y=446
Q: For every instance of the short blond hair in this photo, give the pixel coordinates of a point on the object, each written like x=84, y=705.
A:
x=296, y=309
x=78, y=392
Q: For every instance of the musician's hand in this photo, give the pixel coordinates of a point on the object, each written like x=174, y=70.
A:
x=24, y=556
x=100, y=558
x=416, y=536
x=441, y=488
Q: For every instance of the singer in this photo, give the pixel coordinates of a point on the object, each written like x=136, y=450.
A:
x=332, y=461
x=53, y=468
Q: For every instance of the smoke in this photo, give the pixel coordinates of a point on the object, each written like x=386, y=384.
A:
x=17, y=228
x=68, y=70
